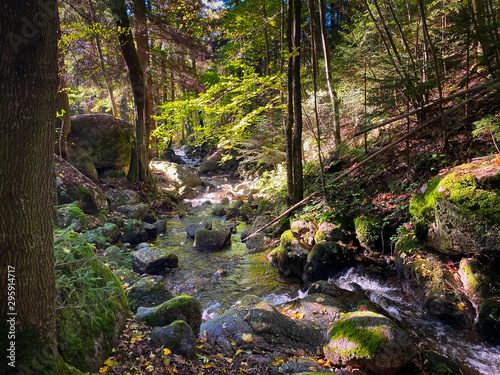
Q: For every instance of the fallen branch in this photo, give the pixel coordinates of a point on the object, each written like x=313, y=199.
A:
x=279, y=217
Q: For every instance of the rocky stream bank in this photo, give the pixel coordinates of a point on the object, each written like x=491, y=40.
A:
x=308, y=297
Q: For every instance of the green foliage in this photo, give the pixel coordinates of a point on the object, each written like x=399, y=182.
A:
x=488, y=125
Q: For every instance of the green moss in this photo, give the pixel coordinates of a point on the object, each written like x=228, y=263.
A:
x=369, y=338
x=71, y=212
x=368, y=230
x=422, y=205
x=287, y=238
x=89, y=301
x=421, y=230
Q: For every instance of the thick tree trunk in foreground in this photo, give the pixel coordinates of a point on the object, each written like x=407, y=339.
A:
x=139, y=170
x=28, y=90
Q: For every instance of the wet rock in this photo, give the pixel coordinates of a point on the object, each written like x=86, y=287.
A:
x=126, y=276
x=136, y=211
x=74, y=186
x=211, y=240
x=71, y=214
x=330, y=232
x=290, y=257
x=184, y=308
x=170, y=155
x=478, y=278
x=161, y=226
x=488, y=324
x=369, y=341
x=147, y=292
x=215, y=162
x=122, y=197
x=324, y=260
x=177, y=336
x=151, y=217
x=436, y=364
x=258, y=243
x=153, y=260
x=191, y=229
x=133, y=232
x=101, y=236
x=105, y=139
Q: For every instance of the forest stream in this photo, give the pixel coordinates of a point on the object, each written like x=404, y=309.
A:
x=219, y=279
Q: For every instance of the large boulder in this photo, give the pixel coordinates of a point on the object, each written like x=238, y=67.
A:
x=71, y=214
x=122, y=197
x=211, y=240
x=290, y=257
x=184, y=308
x=324, y=260
x=369, y=232
x=461, y=209
x=134, y=231
x=92, y=308
x=105, y=139
x=101, y=236
x=135, y=211
x=153, y=260
x=74, y=186
x=369, y=341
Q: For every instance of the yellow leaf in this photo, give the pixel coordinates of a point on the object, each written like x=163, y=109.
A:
x=60, y=174
x=150, y=368
x=461, y=306
x=277, y=361
x=145, y=363
x=220, y=355
x=104, y=369
x=238, y=352
x=132, y=341
x=247, y=337
x=229, y=360
x=166, y=351
x=320, y=299
x=109, y=362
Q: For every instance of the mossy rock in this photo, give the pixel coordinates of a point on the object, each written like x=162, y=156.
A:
x=115, y=257
x=479, y=278
x=101, y=236
x=291, y=256
x=153, y=260
x=462, y=208
x=368, y=231
x=147, y=292
x=85, y=164
x=211, y=240
x=71, y=214
x=133, y=232
x=324, y=260
x=488, y=324
x=369, y=341
x=184, y=308
x=177, y=336
x=126, y=276
x=92, y=308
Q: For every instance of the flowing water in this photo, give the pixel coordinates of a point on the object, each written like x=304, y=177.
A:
x=220, y=279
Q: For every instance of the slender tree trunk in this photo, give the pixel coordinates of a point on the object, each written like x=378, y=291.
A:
x=266, y=38
x=139, y=169
x=63, y=123
x=28, y=103
x=480, y=24
x=298, y=187
x=328, y=73
x=289, y=123
x=97, y=37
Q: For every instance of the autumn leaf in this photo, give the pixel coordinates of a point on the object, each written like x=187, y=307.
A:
x=247, y=337
x=109, y=362
x=238, y=352
x=277, y=361
x=103, y=369
x=166, y=351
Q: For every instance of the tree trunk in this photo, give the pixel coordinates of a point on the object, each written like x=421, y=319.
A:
x=63, y=122
x=139, y=170
x=289, y=123
x=28, y=83
x=298, y=185
x=328, y=72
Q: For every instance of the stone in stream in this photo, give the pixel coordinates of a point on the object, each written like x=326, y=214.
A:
x=136, y=211
x=184, y=308
x=369, y=341
x=191, y=229
x=290, y=257
x=153, y=260
x=122, y=197
x=214, y=239
x=177, y=336
x=324, y=260
x=147, y=292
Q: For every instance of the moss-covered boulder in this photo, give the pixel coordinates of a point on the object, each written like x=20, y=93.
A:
x=107, y=234
x=116, y=257
x=324, y=260
x=126, y=276
x=177, y=336
x=369, y=232
x=331, y=232
x=147, y=292
x=153, y=260
x=134, y=232
x=220, y=160
x=74, y=186
x=91, y=305
x=462, y=208
x=184, y=308
x=71, y=214
x=105, y=139
x=369, y=341
x=86, y=165
x=479, y=278
x=433, y=281
x=134, y=211
x=290, y=257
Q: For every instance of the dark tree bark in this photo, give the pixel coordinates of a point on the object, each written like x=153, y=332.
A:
x=63, y=123
x=289, y=87
x=139, y=169
x=28, y=103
